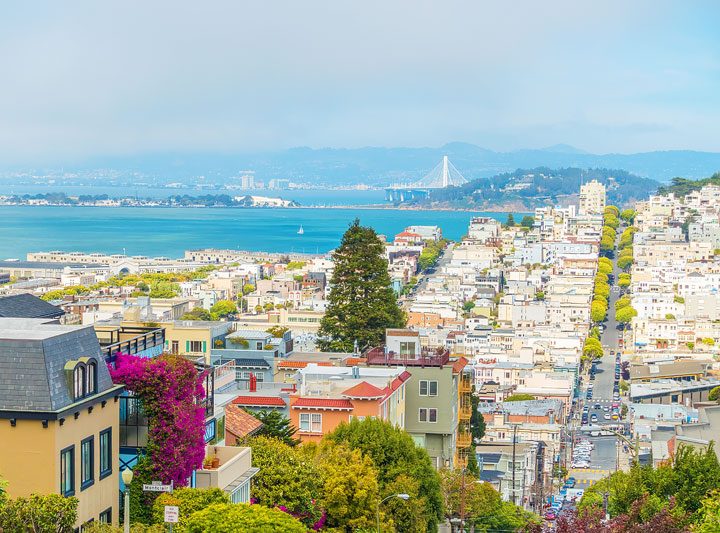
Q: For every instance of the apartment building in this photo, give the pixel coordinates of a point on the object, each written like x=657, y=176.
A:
x=60, y=411
x=592, y=198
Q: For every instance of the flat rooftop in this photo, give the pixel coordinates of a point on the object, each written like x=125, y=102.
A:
x=33, y=329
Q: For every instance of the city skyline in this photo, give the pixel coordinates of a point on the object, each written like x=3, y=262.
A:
x=92, y=80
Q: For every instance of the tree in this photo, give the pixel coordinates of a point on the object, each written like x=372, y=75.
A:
x=519, y=397
x=189, y=501
x=242, y=518
x=624, y=282
x=628, y=215
x=286, y=478
x=197, y=313
x=625, y=261
x=602, y=289
x=276, y=426
x=349, y=487
x=362, y=303
x=708, y=341
x=540, y=296
x=604, y=267
x=601, y=277
x=622, y=302
x=606, y=262
x=248, y=288
x=598, y=311
x=468, y=306
x=510, y=221
x=400, y=465
x=477, y=422
x=527, y=221
x=277, y=331
x=607, y=244
x=592, y=348
x=609, y=232
x=611, y=221
x=714, y=394
x=223, y=308
x=709, y=514
x=611, y=210
x=625, y=314
x=39, y=513
x=164, y=289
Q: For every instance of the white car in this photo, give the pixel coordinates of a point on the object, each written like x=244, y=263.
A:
x=607, y=416
x=582, y=464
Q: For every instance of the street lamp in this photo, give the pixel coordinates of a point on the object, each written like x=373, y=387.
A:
x=127, y=477
x=402, y=496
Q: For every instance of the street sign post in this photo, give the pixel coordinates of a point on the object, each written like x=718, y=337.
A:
x=159, y=487
x=172, y=514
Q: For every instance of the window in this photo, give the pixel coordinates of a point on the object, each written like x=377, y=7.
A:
x=427, y=415
x=196, y=346
x=428, y=388
x=311, y=422
x=105, y=453
x=106, y=516
x=87, y=460
x=407, y=348
x=79, y=381
x=67, y=471
x=258, y=345
x=175, y=349
x=91, y=378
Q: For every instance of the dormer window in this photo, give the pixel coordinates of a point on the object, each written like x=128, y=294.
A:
x=79, y=381
x=91, y=383
x=82, y=377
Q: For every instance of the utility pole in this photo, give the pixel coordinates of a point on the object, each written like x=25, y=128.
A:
x=462, y=500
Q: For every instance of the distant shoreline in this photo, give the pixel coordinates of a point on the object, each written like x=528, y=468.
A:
x=374, y=207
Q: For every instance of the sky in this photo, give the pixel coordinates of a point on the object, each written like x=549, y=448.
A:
x=87, y=78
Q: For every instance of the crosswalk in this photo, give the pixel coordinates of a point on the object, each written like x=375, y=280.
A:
x=589, y=471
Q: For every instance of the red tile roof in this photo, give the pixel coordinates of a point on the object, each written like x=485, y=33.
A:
x=239, y=423
x=408, y=234
x=352, y=361
x=364, y=390
x=259, y=401
x=300, y=364
x=323, y=403
x=459, y=365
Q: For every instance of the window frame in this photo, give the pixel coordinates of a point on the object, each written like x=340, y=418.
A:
x=108, y=471
x=90, y=378
x=420, y=414
x=105, y=516
x=312, y=425
x=79, y=382
x=199, y=346
x=65, y=491
x=90, y=481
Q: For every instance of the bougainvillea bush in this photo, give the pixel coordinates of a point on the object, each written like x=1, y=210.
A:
x=171, y=389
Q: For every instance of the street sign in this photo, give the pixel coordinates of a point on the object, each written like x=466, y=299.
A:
x=157, y=488
x=172, y=514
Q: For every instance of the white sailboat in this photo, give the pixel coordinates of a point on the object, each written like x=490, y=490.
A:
x=301, y=231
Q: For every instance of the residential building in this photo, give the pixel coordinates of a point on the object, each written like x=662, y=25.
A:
x=592, y=198
x=60, y=412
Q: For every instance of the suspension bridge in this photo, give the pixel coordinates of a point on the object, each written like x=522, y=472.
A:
x=442, y=176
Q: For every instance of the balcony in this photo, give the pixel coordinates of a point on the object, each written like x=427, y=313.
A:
x=235, y=467
x=141, y=341
x=465, y=412
x=465, y=385
x=464, y=440
x=438, y=358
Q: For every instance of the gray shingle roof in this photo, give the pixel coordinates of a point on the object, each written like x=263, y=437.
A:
x=27, y=306
x=33, y=354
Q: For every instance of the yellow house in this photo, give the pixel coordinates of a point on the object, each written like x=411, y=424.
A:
x=59, y=416
x=195, y=337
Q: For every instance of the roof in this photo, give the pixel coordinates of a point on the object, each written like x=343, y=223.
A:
x=490, y=476
x=33, y=359
x=401, y=333
x=239, y=422
x=48, y=265
x=250, y=362
x=365, y=391
x=259, y=401
x=458, y=365
x=28, y=306
x=323, y=403
x=408, y=234
x=300, y=364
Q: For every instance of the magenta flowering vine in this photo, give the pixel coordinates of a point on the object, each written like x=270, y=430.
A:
x=170, y=389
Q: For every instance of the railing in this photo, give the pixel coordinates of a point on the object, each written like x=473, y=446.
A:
x=135, y=345
x=465, y=385
x=465, y=412
x=377, y=356
x=224, y=375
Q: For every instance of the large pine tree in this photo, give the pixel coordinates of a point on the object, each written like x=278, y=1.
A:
x=362, y=303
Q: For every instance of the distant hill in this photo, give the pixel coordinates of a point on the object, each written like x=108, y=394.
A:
x=382, y=166
x=681, y=186
x=537, y=187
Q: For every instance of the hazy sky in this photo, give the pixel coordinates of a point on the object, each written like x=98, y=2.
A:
x=106, y=77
